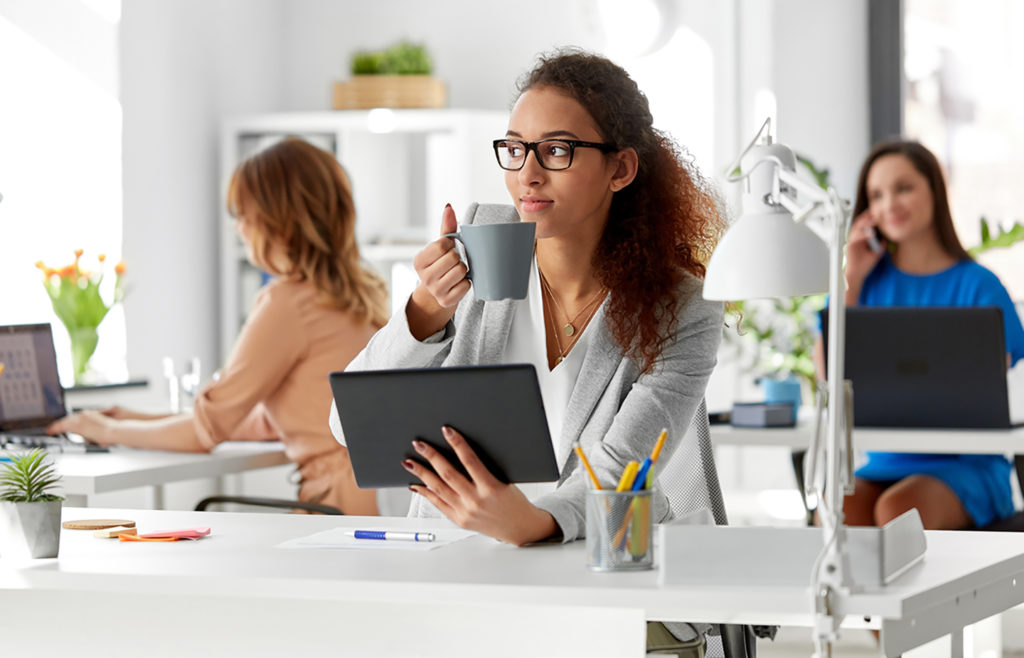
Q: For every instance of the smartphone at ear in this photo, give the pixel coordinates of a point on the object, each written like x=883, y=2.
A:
x=873, y=242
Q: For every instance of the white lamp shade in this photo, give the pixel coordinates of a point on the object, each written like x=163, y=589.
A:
x=767, y=255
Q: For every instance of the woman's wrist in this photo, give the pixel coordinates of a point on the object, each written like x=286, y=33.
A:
x=541, y=526
x=424, y=315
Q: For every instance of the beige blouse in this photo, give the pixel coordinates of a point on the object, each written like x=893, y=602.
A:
x=275, y=384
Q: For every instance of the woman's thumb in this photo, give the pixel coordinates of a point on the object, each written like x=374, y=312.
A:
x=448, y=223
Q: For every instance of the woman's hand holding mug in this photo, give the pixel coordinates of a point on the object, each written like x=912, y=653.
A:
x=443, y=282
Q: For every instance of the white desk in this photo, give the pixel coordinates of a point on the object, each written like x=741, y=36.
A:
x=235, y=593
x=87, y=474
x=959, y=441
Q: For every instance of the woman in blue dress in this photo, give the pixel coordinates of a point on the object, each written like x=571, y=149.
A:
x=903, y=251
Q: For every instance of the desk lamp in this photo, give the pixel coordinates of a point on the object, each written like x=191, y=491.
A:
x=771, y=252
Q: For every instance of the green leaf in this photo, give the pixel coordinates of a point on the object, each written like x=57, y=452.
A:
x=29, y=478
x=1005, y=238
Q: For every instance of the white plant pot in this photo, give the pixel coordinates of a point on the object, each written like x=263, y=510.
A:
x=29, y=530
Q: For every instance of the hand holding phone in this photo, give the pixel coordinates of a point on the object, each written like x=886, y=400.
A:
x=874, y=244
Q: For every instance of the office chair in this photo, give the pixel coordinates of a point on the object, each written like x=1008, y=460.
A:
x=279, y=503
x=690, y=481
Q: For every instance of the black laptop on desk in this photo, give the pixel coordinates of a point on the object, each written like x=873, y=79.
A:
x=926, y=366
x=31, y=395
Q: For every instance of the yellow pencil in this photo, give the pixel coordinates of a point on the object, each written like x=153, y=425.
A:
x=658, y=446
x=626, y=481
x=578, y=449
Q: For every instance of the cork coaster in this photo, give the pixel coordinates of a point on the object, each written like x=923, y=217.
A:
x=97, y=524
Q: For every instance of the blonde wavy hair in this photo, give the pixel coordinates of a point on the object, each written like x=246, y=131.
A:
x=298, y=203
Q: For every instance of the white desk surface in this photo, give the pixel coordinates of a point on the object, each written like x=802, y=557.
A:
x=471, y=590
x=86, y=474
x=959, y=441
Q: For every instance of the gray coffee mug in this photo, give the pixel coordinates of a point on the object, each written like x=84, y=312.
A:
x=498, y=258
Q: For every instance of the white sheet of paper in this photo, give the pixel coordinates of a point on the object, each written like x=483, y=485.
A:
x=342, y=538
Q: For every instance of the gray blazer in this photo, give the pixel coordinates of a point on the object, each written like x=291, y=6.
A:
x=614, y=411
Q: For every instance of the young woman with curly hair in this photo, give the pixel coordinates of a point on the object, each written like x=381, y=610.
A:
x=614, y=320
x=294, y=212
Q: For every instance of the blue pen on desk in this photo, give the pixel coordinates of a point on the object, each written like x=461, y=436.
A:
x=392, y=535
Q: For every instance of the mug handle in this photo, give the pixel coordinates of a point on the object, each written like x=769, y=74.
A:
x=463, y=256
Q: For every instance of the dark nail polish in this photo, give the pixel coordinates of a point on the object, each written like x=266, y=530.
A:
x=418, y=445
x=407, y=464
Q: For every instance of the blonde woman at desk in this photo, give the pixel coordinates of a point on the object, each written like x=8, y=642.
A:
x=903, y=251
x=295, y=214
x=624, y=225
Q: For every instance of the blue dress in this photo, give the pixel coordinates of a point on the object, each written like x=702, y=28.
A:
x=981, y=482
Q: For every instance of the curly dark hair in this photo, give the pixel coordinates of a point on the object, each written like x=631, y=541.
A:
x=665, y=223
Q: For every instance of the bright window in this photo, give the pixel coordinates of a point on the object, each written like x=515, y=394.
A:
x=60, y=161
x=964, y=102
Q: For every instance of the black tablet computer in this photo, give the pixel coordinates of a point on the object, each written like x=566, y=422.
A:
x=497, y=408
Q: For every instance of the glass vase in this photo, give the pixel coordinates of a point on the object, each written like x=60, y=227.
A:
x=83, y=344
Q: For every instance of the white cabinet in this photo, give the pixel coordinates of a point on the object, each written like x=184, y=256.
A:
x=405, y=165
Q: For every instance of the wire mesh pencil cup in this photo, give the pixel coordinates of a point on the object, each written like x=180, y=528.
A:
x=619, y=530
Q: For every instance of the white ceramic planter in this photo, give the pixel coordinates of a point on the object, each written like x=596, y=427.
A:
x=29, y=530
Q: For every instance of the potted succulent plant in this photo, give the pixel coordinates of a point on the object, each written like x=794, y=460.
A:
x=29, y=510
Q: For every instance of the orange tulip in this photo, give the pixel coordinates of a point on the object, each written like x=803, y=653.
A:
x=78, y=253
x=101, y=257
x=119, y=268
x=40, y=265
x=67, y=271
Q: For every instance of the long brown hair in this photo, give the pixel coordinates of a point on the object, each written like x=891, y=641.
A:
x=665, y=223
x=298, y=200
x=925, y=162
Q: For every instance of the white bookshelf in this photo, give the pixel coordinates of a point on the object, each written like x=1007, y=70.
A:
x=405, y=165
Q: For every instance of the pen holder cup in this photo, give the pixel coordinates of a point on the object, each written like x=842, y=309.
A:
x=619, y=530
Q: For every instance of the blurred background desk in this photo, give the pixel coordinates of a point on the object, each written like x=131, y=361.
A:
x=88, y=474
x=889, y=439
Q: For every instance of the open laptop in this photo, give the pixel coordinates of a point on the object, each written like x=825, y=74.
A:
x=926, y=366
x=31, y=396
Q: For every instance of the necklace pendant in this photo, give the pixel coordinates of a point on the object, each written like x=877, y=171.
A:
x=568, y=329
x=559, y=360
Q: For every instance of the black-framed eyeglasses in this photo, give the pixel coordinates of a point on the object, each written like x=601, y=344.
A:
x=552, y=154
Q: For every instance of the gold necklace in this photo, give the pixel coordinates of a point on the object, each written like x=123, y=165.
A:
x=562, y=352
x=570, y=325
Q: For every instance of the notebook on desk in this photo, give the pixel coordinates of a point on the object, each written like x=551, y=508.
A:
x=926, y=366
x=31, y=395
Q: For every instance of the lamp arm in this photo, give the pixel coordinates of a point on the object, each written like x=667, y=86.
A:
x=817, y=196
x=832, y=573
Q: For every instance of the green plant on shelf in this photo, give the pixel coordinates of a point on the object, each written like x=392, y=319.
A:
x=404, y=58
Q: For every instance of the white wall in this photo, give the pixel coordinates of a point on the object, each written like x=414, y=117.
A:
x=188, y=63
x=821, y=82
x=184, y=65
x=479, y=48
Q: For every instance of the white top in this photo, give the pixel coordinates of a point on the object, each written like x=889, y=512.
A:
x=527, y=343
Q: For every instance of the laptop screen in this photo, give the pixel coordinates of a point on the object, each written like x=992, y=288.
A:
x=31, y=396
